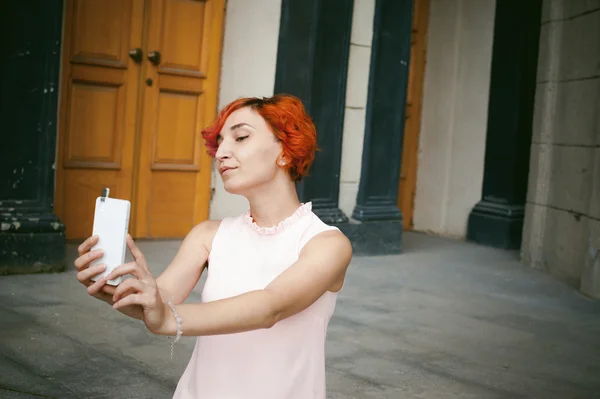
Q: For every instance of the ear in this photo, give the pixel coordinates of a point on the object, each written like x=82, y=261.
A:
x=282, y=161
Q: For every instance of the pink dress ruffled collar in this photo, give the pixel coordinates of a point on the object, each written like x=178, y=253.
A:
x=303, y=209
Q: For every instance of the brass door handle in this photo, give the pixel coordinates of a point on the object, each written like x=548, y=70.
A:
x=136, y=55
x=154, y=57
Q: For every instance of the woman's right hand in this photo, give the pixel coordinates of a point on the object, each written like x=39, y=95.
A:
x=98, y=289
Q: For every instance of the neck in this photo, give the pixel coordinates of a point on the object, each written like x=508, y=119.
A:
x=274, y=204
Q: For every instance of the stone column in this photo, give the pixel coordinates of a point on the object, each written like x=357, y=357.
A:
x=497, y=219
x=384, y=126
x=312, y=63
x=31, y=236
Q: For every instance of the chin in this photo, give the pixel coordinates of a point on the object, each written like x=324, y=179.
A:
x=234, y=188
x=244, y=186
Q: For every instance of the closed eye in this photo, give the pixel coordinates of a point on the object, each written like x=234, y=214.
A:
x=241, y=138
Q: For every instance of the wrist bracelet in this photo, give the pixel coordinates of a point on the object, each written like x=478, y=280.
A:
x=179, y=329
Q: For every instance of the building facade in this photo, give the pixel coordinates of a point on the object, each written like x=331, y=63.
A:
x=471, y=119
x=562, y=215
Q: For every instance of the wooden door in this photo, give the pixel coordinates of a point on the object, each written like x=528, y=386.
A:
x=120, y=130
x=412, y=126
x=173, y=188
x=99, y=88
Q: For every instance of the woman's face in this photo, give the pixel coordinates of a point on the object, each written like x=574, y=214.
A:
x=248, y=152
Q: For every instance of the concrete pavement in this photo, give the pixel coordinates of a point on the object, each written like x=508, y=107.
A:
x=446, y=319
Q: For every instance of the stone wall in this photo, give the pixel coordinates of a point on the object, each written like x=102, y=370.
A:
x=562, y=224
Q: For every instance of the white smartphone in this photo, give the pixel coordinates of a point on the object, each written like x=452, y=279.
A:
x=111, y=223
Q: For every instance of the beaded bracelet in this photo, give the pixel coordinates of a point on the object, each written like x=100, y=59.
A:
x=179, y=329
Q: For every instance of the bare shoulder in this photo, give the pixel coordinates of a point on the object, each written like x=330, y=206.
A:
x=330, y=251
x=205, y=232
x=328, y=243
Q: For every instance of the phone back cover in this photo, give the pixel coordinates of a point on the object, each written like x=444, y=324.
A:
x=111, y=222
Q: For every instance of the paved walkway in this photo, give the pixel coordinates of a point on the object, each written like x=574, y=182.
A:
x=444, y=320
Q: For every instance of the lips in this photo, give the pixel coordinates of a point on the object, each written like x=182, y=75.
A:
x=224, y=169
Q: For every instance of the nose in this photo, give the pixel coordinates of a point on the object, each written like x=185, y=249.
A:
x=223, y=151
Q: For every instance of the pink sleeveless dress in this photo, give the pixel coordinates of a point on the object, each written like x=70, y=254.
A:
x=286, y=361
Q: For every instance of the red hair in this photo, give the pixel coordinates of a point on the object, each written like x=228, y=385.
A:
x=289, y=122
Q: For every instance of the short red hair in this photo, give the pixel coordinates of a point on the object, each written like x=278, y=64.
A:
x=286, y=116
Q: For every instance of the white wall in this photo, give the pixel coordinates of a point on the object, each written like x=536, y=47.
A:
x=356, y=101
x=247, y=69
x=454, y=116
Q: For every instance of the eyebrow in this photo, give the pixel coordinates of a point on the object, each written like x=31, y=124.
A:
x=239, y=125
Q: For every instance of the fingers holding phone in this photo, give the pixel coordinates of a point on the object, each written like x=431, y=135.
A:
x=104, y=252
x=85, y=272
x=100, y=289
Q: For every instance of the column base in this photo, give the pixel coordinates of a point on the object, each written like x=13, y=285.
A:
x=331, y=215
x=496, y=225
x=368, y=213
x=374, y=238
x=31, y=243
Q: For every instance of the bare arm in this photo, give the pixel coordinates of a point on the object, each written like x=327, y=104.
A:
x=174, y=284
x=177, y=281
x=322, y=264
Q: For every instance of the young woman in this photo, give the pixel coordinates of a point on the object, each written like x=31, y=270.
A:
x=273, y=272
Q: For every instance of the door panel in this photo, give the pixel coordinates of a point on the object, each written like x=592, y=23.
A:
x=95, y=127
x=98, y=107
x=137, y=137
x=175, y=146
x=171, y=207
x=173, y=185
x=101, y=31
x=184, y=37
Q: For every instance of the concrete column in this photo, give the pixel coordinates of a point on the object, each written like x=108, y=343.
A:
x=312, y=63
x=379, y=227
x=497, y=220
x=386, y=101
x=31, y=236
